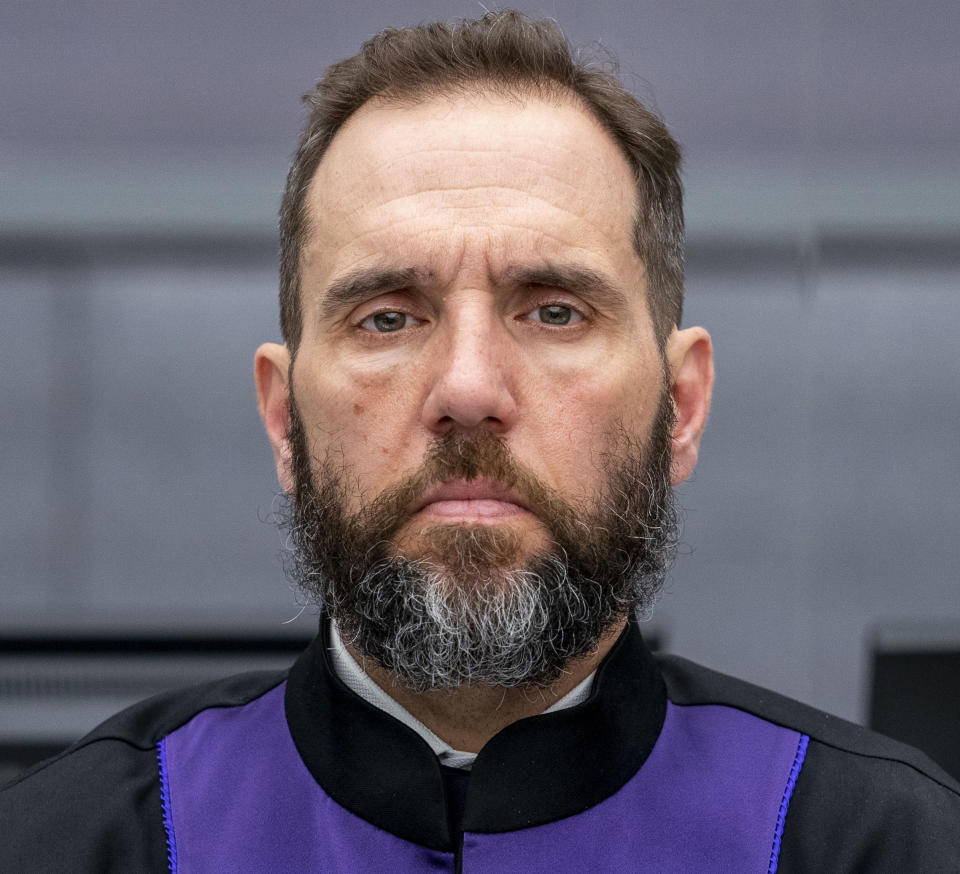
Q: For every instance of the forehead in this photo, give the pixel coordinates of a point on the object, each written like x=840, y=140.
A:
x=462, y=179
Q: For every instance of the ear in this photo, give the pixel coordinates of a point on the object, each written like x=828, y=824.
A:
x=271, y=367
x=690, y=359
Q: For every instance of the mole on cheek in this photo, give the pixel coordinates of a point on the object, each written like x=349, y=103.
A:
x=357, y=409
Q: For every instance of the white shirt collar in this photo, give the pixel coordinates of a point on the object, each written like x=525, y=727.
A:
x=358, y=681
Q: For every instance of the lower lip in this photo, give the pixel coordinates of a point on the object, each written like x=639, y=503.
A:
x=482, y=508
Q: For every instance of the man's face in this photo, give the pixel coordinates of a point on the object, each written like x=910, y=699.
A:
x=470, y=267
x=480, y=432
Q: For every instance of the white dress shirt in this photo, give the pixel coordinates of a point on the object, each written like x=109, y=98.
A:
x=358, y=681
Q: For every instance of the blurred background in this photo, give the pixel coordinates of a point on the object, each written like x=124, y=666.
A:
x=143, y=148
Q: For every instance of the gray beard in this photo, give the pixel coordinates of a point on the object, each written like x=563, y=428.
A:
x=442, y=635
x=470, y=617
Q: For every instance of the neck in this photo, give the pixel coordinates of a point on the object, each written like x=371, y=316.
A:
x=468, y=716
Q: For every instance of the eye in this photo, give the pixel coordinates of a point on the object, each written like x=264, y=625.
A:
x=555, y=314
x=388, y=322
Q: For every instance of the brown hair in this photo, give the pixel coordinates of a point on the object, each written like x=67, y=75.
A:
x=500, y=51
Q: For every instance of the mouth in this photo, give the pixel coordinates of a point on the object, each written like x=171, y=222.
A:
x=480, y=500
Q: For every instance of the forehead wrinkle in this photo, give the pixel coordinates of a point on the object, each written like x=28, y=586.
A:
x=526, y=202
x=426, y=224
x=517, y=197
x=389, y=163
x=379, y=165
x=433, y=158
x=331, y=195
x=500, y=242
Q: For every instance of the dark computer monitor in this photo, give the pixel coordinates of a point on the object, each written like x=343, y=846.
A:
x=915, y=690
x=56, y=687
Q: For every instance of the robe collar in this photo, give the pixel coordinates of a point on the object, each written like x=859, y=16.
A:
x=534, y=771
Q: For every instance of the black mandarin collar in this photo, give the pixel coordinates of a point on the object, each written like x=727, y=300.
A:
x=534, y=771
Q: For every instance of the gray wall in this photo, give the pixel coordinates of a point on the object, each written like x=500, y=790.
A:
x=141, y=156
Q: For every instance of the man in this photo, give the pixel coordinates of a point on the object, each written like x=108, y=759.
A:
x=483, y=399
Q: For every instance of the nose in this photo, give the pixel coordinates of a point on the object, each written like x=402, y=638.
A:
x=473, y=375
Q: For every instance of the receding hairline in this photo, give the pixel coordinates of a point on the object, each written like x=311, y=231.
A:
x=515, y=55
x=519, y=90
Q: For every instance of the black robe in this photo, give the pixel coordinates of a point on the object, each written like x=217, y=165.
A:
x=667, y=766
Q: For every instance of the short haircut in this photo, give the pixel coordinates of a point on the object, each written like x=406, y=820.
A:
x=502, y=51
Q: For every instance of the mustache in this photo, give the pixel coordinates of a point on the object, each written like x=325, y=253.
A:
x=456, y=456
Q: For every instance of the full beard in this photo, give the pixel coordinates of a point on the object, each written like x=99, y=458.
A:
x=466, y=608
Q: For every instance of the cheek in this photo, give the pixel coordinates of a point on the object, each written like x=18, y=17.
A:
x=361, y=417
x=604, y=392
x=578, y=418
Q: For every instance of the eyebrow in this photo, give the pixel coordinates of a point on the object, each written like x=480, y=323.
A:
x=361, y=285
x=579, y=280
